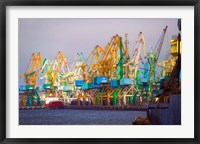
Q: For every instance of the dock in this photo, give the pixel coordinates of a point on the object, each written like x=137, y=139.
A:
x=122, y=108
x=91, y=107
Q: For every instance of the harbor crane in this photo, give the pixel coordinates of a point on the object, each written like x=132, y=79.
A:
x=55, y=71
x=31, y=96
x=153, y=57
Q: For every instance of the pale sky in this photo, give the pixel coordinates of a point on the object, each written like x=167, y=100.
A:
x=48, y=36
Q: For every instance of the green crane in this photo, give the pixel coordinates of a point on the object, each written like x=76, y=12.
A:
x=152, y=60
x=120, y=73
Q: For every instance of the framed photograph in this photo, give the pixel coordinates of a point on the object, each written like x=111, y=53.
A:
x=99, y=71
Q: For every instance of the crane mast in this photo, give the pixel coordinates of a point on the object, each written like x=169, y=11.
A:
x=30, y=96
x=56, y=67
x=153, y=57
x=31, y=76
x=136, y=56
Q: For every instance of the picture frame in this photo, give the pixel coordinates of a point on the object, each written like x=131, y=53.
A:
x=3, y=106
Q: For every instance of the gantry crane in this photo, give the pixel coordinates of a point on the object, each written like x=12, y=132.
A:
x=113, y=69
x=85, y=85
x=153, y=57
x=152, y=60
x=90, y=62
x=96, y=70
x=75, y=70
x=31, y=96
x=108, y=76
x=130, y=91
x=45, y=68
x=55, y=71
x=119, y=84
x=136, y=56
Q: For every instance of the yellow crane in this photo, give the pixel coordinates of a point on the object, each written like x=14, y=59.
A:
x=108, y=69
x=54, y=72
x=31, y=76
x=31, y=97
x=89, y=65
x=89, y=71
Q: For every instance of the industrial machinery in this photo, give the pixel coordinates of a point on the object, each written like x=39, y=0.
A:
x=30, y=96
x=56, y=70
x=89, y=67
x=75, y=69
x=152, y=58
x=107, y=76
x=110, y=75
x=45, y=68
x=131, y=91
x=172, y=85
x=57, y=78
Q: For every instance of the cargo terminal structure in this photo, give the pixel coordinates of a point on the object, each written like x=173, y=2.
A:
x=111, y=75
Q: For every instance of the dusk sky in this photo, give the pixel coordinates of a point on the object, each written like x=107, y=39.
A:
x=48, y=36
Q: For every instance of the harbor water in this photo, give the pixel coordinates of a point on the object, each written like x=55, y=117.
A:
x=77, y=117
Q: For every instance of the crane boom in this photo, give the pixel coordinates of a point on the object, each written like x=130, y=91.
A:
x=161, y=42
x=55, y=67
x=31, y=76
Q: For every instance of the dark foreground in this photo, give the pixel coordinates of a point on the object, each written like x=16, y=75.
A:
x=77, y=117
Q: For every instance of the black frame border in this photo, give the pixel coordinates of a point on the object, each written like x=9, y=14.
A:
x=5, y=3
